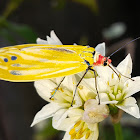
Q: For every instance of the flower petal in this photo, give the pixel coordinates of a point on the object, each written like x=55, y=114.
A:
x=69, y=82
x=132, y=86
x=67, y=136
x=63, y=119
x=41, y=41
x=78, y=101
x=44, y=88
x=46, y=112
x=52, y=40
x=129, y=106
x=105, y=73
x=89, y=83
x=75, y=112
x=129, y=101
x=95, y=133
x=125, y=67
x=55, y=38
x=59, y=116
x=100, y=48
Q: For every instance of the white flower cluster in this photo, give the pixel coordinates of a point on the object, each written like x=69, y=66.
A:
x=81, y=120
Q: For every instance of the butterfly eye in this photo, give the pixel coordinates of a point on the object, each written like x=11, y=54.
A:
x=13, y=57
x=5, y=60
x=105, y=63
x=93, y=53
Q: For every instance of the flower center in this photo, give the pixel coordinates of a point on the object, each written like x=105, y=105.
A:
x=80, y=130
x=116, y=93
x=62, y=96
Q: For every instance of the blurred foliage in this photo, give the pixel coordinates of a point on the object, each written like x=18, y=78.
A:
x=47, y=132
x=129, y=134
x=13, y=32
x=58, y=4
x=11, y=7
x=107, y=133
x=92, y=4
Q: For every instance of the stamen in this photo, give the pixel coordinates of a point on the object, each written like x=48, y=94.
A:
x=72, y=131
x=80, y=87
x=87, y=134
x=79, y=130
x=108, y=83
x=112, y=75
x=77, y=124
x=73, y=136
x=120, y=75
x=80, y=133
x=61, y=89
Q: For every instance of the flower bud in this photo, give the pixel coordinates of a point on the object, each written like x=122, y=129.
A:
x=94, y=112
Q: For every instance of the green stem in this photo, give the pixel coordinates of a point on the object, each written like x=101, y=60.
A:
x=118, y=131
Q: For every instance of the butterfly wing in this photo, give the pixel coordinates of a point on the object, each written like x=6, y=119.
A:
x=32, y=62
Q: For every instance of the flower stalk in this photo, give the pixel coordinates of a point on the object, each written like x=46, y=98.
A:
x=118, y=131
x=116, y=115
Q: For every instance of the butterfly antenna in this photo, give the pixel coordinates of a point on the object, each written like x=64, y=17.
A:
x=124, y=46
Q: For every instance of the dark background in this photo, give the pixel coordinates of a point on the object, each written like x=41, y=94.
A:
x=74, y=21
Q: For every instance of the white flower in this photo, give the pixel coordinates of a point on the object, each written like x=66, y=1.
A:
x=52, y=40
x=69, y=118
x=85, y=122
x=79, y=129
x=94, y=112
x=73, y=120
x=118, y=92
x=61, y=101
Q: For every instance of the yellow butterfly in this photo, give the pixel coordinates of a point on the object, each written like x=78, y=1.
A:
x=32, y=62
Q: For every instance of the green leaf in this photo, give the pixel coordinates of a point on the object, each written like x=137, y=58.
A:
x=16, y=32
x=24, y=32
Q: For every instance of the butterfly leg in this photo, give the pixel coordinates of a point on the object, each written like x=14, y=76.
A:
x=57, y=88
x=78, y=85
x=115, y=70
x=95, y=83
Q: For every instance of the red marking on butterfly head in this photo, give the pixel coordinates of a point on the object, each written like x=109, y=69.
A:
x=102, y=61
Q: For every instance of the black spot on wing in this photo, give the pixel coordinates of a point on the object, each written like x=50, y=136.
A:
x=60, y=50
x=14, y=72
x=16, y=65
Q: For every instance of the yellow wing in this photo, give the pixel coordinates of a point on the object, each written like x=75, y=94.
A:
x=32, y=62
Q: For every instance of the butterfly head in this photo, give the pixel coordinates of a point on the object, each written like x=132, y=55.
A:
x=100, y=60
